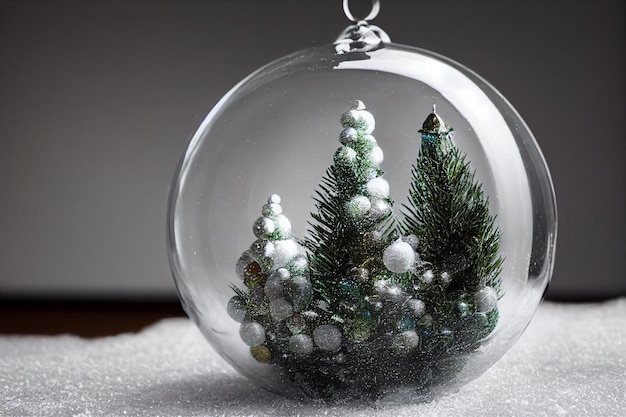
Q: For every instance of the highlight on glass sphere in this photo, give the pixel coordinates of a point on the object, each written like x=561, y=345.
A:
x=362, y=219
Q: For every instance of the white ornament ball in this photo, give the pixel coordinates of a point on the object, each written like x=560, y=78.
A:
x=486, y=299
x=359, y=118
x=236, y=309
x=399, y=257
x=252, y=333
x=274, y=199
x=272, y=209
x=327, y=337
x=345, y=156
x=416, y=307
x=301, y=344
x=380, y=209
x=348, y=135
x=284, y=226
x=409, y=339
x=263, y=226
x=280, y=309
x=284, y=251
x=377, y=156
x=378, y=187
x=358, y=207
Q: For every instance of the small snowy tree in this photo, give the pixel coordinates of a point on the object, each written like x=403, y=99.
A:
x=353, y=218
x=276, y=275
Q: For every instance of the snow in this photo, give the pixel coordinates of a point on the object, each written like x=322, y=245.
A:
x=570, y=362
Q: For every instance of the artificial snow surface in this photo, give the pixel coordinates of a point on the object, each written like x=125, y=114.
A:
x=570, y=362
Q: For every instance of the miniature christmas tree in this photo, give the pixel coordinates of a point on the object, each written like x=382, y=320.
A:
x=353, y=219
x=375, y=303
x=275, y=274
x=449, y=214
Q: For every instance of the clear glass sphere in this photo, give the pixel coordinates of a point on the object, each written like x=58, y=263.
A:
x=277, y=131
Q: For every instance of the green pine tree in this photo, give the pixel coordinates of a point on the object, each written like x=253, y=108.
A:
x=353, y=218
x=457, y=235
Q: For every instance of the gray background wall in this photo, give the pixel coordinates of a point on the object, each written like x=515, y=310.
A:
x=98, y=100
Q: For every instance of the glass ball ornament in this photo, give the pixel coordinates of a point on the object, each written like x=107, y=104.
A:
x=245, y=248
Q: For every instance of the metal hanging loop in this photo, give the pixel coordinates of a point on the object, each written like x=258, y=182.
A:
x=361, y=36
x=373, y=13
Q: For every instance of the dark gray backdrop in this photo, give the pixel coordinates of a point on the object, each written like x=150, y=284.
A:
x=98, y=100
